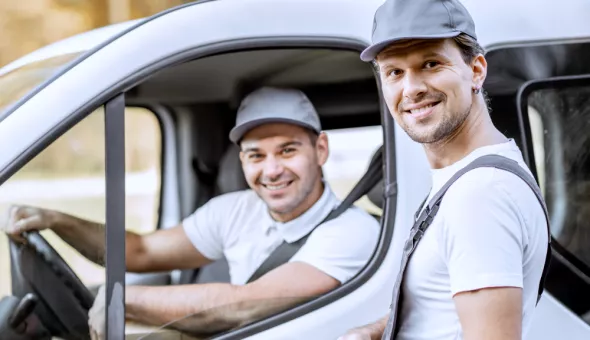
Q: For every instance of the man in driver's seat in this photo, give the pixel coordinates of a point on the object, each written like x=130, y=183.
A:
x=282, y=153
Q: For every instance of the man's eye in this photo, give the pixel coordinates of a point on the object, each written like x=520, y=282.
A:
x=394, y=72
x=255, y=156
x=431, y=64
x=287, y=151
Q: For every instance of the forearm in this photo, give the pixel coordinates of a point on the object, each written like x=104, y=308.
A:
x=375, y=330
x=88, y=238
x=161, y=305
x=199, y=309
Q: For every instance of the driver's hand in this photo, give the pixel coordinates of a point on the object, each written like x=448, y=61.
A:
x=356, y=334
x=22, y=218
x=97, y=315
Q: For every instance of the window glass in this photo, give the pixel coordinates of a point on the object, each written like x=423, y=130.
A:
x=69, y=176
x=560, y=121
x=351, y=151
x=143, y=147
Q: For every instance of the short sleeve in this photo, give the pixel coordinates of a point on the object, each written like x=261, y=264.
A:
x=203, y=228
x=482, y=238
x=341, y=247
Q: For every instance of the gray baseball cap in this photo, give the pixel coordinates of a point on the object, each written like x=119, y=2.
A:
x=274, y=105
x=417, y=19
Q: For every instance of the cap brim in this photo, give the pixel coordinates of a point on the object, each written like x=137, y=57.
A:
x=238, y=132
x=371, y=52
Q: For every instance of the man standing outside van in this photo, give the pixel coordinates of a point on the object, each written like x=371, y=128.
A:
x=476, y=272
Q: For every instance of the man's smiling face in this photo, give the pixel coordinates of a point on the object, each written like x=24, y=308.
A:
x=282, y=163
x=427, y=86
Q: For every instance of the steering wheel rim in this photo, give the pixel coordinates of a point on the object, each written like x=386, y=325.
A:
x=63, y=297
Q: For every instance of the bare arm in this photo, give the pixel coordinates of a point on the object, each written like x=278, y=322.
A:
x=162, y=250
x=490, y=313
x=85, y=236
x=143, y=253
x=215, y=307
x=372, y=331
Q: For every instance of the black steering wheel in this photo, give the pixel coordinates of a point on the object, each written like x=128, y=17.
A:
x=64, y=301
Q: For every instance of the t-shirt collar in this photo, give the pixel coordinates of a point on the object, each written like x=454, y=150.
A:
x=297, y=228
x=440, y=176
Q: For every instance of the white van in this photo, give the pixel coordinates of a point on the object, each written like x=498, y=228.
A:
x=179, y=75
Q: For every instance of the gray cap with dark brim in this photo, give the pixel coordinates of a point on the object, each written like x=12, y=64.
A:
x=398, y=20
x=274, y=105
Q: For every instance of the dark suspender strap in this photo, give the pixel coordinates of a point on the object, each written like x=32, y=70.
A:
x=507, y=164
x=283, y=253
x=427, y=215
x=417, y=214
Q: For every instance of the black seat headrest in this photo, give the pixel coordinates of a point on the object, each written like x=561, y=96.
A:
x=230, y=177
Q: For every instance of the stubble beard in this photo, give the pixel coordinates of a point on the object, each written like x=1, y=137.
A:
x=448, y=126
x=297, y=200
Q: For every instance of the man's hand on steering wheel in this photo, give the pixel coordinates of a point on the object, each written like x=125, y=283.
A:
x=96, y=316
x=22, y=218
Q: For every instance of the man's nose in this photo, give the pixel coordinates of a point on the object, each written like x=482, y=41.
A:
x=273, y=168
x=414, y=86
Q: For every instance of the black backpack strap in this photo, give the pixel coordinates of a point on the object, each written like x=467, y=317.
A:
x=283, y=253
x=427, y=215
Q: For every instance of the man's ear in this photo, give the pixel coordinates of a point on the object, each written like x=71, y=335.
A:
x=479, y=66
x=322, y=148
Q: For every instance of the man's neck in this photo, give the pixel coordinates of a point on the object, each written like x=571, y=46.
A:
x=477, y=131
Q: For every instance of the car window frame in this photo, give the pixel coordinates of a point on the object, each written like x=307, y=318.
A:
x=115, y=228
x=566, y=272
x=389, y=154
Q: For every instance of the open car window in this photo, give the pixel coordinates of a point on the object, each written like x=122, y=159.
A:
x=352, y=124
x=344, y=93
x=68, y=177
x=351, y=150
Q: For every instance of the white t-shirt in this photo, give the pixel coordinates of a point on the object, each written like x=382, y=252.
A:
x=238, y=226
x=490, y=231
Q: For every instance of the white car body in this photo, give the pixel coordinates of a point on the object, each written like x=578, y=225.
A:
x=143, y=44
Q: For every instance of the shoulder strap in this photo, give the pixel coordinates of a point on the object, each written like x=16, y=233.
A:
x=283, y=253
x=512, y=166
x=427, y=215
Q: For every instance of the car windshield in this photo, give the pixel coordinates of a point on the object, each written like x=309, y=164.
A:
x=15, y=84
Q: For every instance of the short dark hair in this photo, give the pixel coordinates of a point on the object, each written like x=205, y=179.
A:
x=470, y=49
x=313, y=136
